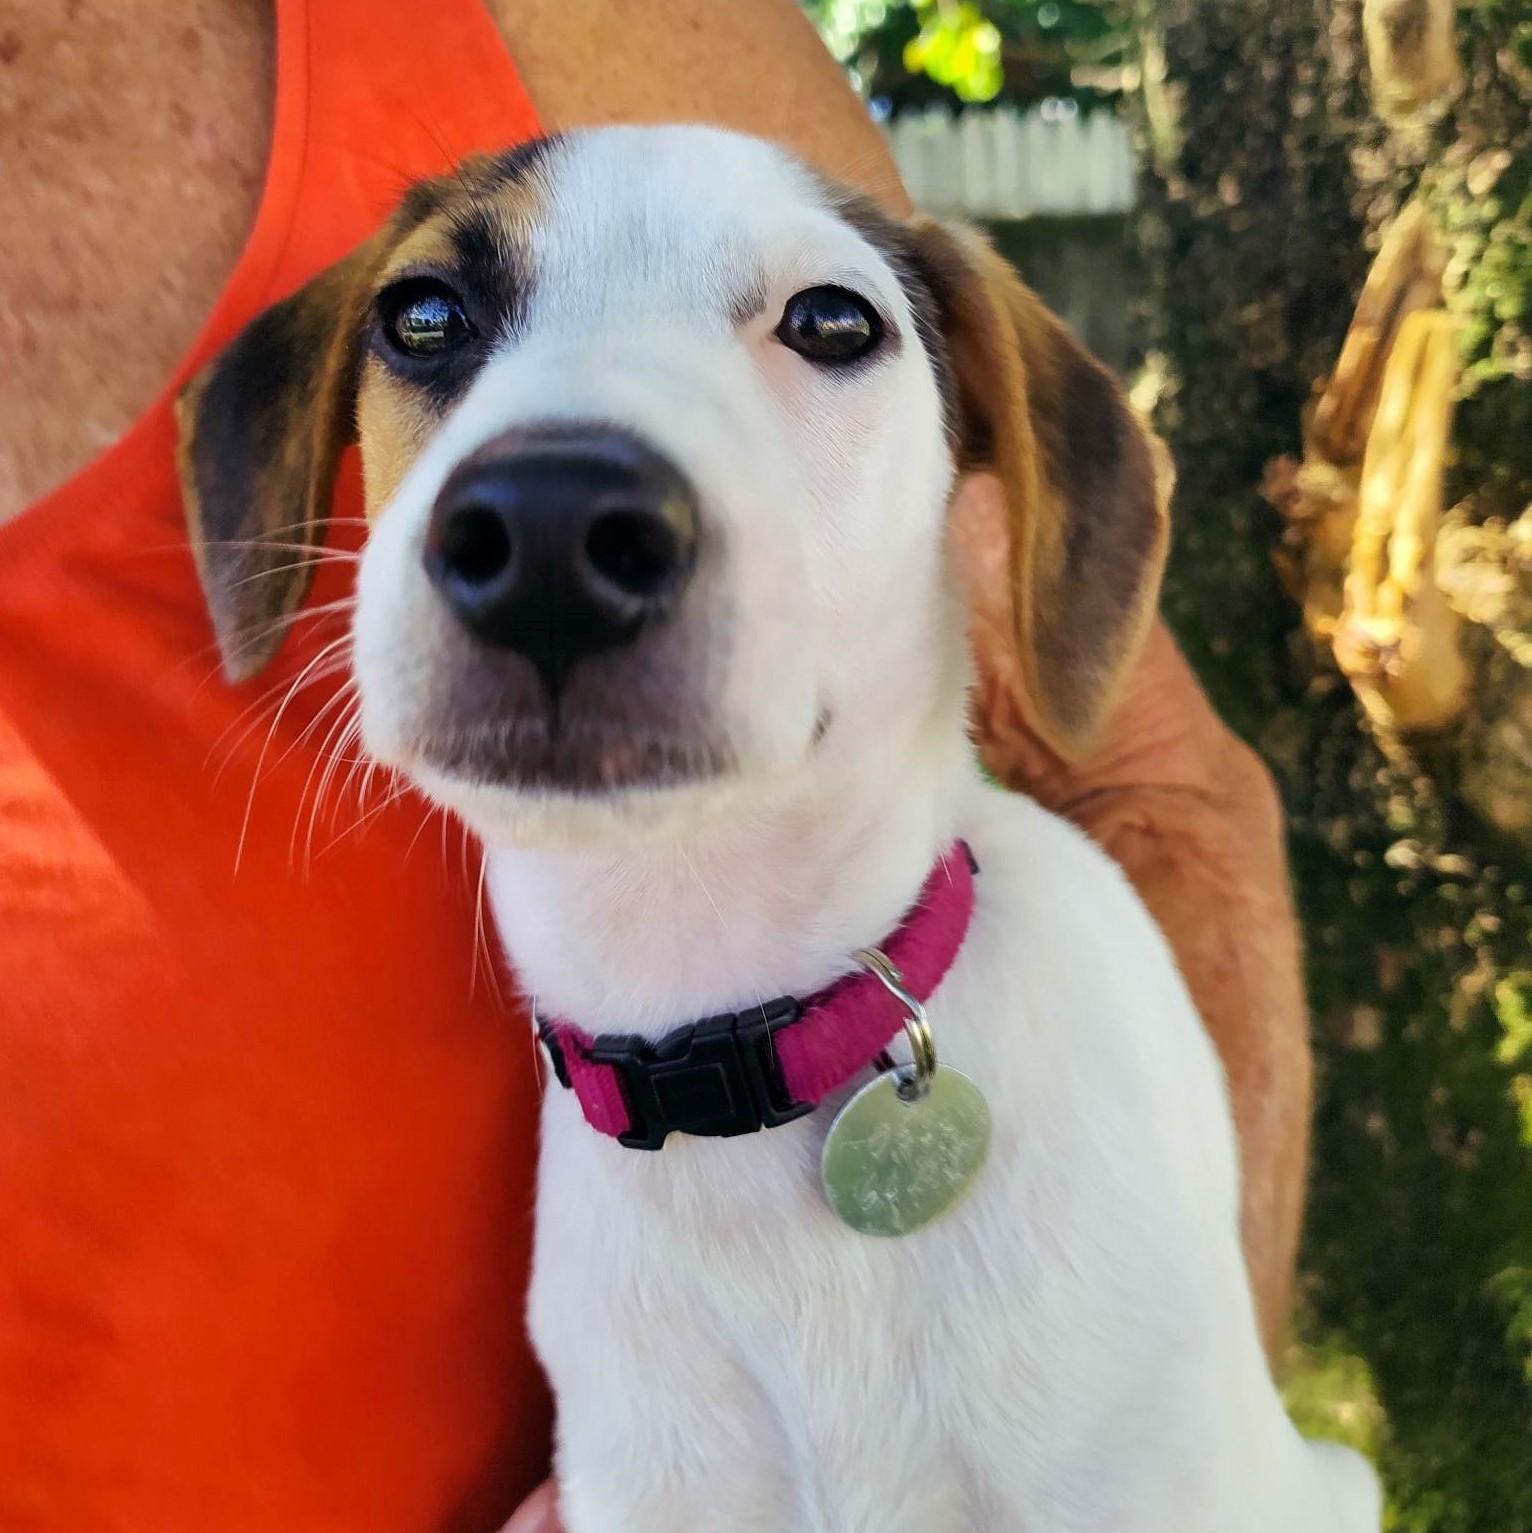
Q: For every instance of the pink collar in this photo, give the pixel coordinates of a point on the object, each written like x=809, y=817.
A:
x=748, y=1070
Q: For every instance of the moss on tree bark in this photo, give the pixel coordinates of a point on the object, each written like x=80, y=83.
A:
x=1268, y=179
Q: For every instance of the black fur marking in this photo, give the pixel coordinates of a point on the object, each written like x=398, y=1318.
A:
x=1103, y=458
x=441, y=380
x=263, y=424
x=270, y=416
x=489, y=271
x=492, y=275
x=525, y=160
x=748, y=304
x=244, y=416
x=1100, y=465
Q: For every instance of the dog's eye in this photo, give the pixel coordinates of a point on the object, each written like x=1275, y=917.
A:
x=423, y=319
x=829, y=324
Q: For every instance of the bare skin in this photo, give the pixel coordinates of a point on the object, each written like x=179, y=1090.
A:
x=126, y=212
x=126, y=209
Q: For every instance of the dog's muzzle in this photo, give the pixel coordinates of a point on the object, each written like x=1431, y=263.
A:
x=560, y=541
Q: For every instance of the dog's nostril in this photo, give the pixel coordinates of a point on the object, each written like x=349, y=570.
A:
x=637, y=552
x=474, y=546
x=558, y=542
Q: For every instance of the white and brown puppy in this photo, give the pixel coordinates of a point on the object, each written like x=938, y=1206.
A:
x=659, y=434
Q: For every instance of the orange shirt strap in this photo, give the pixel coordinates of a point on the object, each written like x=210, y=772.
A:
x=370, y=97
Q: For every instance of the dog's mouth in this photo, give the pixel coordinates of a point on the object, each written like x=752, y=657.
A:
x=462, y=719
x=547, y=753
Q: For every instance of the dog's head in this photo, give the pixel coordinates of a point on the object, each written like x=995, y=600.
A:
x=658, y=435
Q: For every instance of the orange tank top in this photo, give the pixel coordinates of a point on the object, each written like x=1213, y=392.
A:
x=266, y=1127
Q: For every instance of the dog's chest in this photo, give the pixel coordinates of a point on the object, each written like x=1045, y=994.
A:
x=709, y=1324
x=768, y=1345
x=778, y=1357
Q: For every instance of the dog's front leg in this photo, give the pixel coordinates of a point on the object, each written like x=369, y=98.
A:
x=663, y=1427
x=665, y=1466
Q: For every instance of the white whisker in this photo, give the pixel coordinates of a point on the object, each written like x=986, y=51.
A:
x=299, y=682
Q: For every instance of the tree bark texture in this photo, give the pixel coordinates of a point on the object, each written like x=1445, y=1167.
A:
x=1282, y=141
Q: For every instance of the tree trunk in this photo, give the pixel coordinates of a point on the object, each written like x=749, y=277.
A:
x=1367, y=624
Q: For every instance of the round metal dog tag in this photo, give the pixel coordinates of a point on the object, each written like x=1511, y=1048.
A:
x=895, y=1160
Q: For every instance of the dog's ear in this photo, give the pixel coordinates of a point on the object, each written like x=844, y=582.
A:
x=1087, y=485
x=261, y=428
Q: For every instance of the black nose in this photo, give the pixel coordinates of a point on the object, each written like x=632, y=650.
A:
x=561, y=541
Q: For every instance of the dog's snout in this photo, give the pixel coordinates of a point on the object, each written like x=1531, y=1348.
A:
x=560, y=542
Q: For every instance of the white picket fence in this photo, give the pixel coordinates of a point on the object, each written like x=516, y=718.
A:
x=1004, y=164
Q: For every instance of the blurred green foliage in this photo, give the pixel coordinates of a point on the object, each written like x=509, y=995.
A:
x=957, y=46
x=909, y=53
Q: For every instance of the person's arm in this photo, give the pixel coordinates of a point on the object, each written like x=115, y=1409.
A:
x=1192, y=816
x=757, y=66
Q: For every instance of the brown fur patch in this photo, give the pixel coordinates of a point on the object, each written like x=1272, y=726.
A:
x=396, y=422
x=477, y=242
x=1085, y=493
x=262, y=427
x=263, y=424
x=1087, y=486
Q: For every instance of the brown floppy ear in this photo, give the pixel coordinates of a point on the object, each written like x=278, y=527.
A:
x=262, y=427
x=1087, y=486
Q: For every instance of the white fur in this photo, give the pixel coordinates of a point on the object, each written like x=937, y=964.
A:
x=1074, y=1350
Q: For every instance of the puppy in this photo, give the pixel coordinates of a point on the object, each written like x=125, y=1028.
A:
x=658, y=435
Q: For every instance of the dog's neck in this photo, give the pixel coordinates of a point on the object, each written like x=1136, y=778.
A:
x=744, y=908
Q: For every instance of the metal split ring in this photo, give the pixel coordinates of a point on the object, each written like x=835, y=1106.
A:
x=914, y=1084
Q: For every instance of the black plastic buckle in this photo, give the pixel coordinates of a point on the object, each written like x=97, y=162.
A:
x=716, y=1078
x=550, y=1041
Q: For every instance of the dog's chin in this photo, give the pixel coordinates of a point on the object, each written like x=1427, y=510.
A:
x=595, y=760
x=517, y=782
